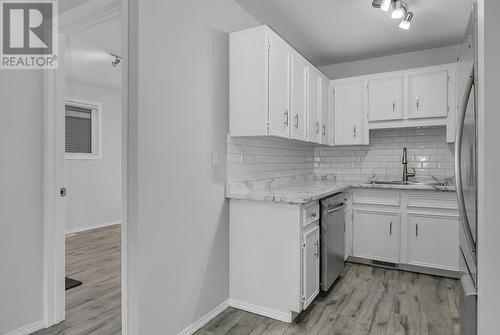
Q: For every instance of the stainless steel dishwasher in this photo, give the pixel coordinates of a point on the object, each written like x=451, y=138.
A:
x=332, y=239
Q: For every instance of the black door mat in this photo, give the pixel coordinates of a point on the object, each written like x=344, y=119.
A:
x=70, y=283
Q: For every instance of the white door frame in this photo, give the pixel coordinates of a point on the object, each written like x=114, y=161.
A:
x=91, y=13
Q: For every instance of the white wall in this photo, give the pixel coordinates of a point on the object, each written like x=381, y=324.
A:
x=178, y=225
x=489, y=162
x=21, y=212
x=94, y=186
x=396, y=62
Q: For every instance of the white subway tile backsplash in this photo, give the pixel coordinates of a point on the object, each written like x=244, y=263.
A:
x=268, y=158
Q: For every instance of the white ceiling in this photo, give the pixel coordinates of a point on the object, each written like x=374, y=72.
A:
x=88, y=56
x=334, y=31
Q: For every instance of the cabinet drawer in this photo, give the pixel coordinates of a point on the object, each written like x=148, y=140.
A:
x=377, y=197
x=431, y=199
x=311, y=213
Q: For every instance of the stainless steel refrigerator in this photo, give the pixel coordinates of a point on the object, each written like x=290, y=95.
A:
x=466, y=177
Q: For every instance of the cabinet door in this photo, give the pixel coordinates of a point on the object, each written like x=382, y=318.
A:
x=298, y=106
x=313, y=109
x=428, y=94
x=433, y=241
x=349, y=112
x=325, y=119
x=376, y=235
x=385, y=99
x=279, y=87
x=310, y=266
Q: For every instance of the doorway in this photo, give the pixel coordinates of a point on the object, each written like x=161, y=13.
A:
x=84, y=160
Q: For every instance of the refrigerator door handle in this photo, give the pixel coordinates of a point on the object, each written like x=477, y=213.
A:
x=458, y=168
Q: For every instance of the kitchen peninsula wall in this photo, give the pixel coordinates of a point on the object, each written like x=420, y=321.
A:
x=251, y=159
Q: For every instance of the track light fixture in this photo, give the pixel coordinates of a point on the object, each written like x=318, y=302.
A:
x=399, y=11
x=385, y=5
x=116, y=61
x=406, y=23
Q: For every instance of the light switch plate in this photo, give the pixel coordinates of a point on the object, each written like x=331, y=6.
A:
x=215, y=159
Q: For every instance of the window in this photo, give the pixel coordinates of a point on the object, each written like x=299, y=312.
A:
x=83, y=129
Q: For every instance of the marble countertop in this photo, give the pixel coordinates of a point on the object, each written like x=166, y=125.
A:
x=311, y=190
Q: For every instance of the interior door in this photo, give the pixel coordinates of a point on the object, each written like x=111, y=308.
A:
x=279, y=87
x=376, y=235
x=310, y=283
x=428, y=94
x=385, y=99
x=298, y=106
x=313, y=110
x=349, y=110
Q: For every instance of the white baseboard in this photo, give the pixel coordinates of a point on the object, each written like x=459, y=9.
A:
x=264, y=311
x=28, y=329
x=100, y=225
x=205, y=319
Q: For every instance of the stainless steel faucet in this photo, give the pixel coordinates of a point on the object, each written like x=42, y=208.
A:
x=407, y=174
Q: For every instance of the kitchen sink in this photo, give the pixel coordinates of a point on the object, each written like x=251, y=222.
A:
x=393, y=182
x=410, y=182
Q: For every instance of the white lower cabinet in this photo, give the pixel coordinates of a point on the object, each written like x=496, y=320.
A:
x=274, y=257
x=376, y=234
x=310, y=265
x=414, y=228
x=433, y=241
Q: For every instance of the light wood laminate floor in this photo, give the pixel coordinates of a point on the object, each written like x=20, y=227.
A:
x=93, y=257
x=366, y=300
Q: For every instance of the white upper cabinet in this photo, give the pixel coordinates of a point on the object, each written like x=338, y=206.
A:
x=313, y=106
x=298, y=108
x=349, y=112
x=279, y=87
x=428, y=94
x=385, y=98
x=409, y=98
x=273, y=90
x=325, y=112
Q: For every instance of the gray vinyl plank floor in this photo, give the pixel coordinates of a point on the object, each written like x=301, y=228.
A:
x=366, y=300
x=94, y=258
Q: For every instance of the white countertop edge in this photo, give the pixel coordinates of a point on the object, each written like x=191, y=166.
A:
x=302, y=197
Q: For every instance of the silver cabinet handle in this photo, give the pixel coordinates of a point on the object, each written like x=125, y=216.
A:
x=286, y=118
x=354, y=131
x=418, y=103
x=317, y=127
x=324, y=130
x=390, y=229
x=296, y=121
x=316, y=252
x=393, y=106
x=416, y=229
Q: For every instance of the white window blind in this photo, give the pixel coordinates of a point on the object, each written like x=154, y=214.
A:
x=78, y=129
